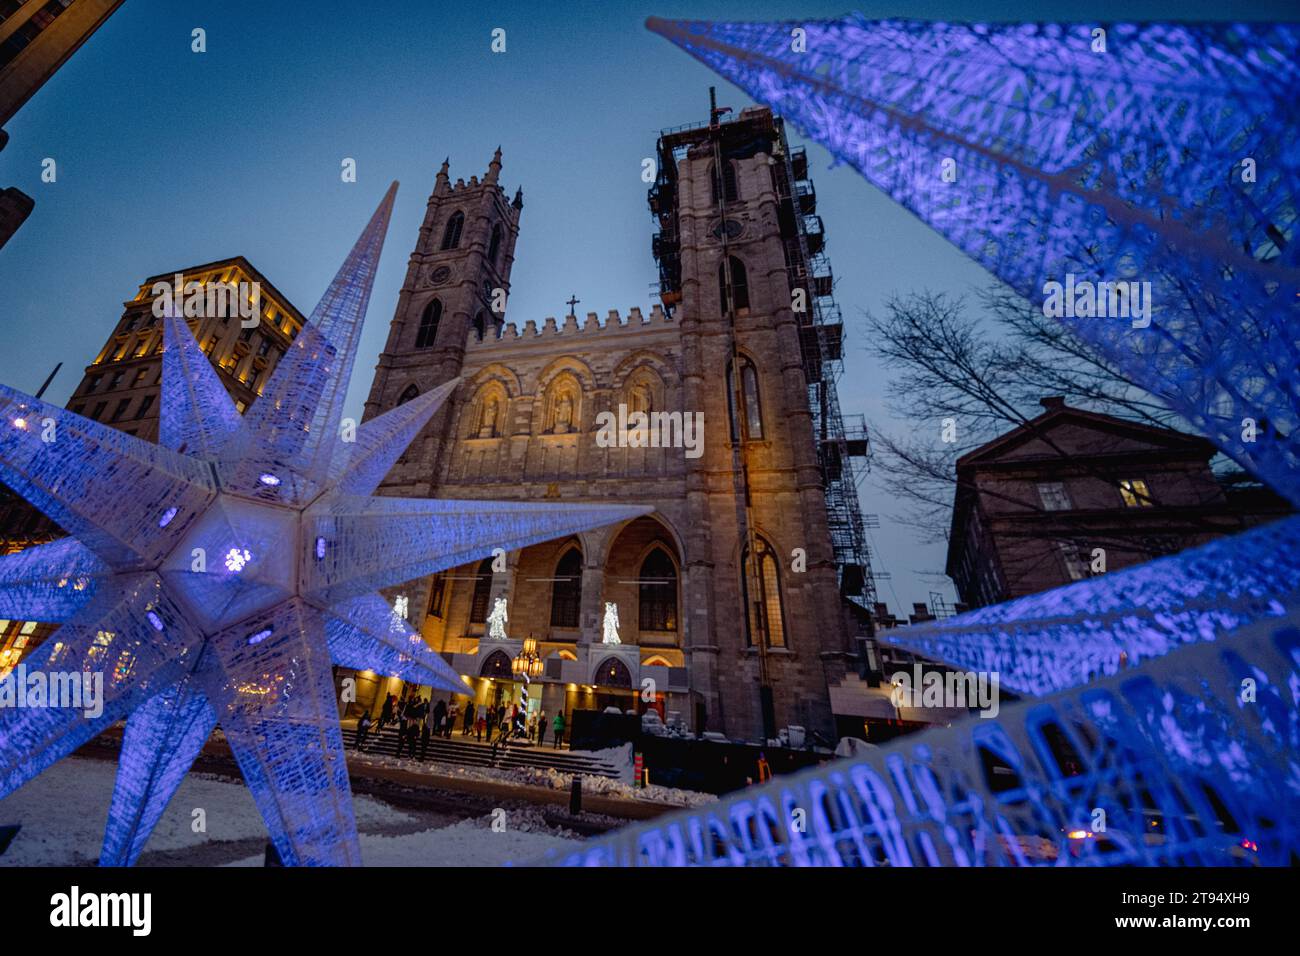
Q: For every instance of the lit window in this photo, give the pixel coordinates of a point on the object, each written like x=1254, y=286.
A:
x=765, y=615
x=1053, y=496
x=1135, y=493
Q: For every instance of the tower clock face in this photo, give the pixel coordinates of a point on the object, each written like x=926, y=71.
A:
x=439, y=275
x=733, y=228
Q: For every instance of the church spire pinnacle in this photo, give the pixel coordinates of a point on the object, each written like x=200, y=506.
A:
x=494, y=167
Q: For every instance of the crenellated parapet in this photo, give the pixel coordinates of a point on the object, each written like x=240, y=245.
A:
x=553, y=329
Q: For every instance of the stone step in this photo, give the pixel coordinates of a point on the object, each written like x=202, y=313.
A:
x=468, y=754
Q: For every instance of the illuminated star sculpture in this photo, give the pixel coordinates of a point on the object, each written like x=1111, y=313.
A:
x=216, y=577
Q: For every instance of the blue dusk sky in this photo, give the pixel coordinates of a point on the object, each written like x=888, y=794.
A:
x=167, y=159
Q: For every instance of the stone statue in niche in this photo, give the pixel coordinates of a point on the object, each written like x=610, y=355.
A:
x=487, y=423
x=641, y=399
x=563, y=413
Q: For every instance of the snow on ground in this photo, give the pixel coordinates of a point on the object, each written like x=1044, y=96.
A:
x=63, y=811
x=539, y=777
x=525, y=838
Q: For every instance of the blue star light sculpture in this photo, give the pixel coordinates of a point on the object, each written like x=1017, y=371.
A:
x=216, y=577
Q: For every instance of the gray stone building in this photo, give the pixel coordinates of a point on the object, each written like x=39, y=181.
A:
x=734, y=581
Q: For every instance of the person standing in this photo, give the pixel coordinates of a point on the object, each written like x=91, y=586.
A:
x=541, y=727
x=363, y=731
x=452, y=713
x=469, y=717
x=439, y=715
x=386, y=713
x=558, y=727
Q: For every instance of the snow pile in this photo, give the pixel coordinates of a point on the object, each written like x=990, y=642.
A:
x=547, y=777
x=63, y=812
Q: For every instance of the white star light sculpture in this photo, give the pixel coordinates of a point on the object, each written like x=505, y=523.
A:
x=215, y=577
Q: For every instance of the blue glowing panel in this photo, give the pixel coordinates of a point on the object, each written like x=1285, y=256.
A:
x=373, y=543
x=128, y=639
x=1066, y=637
x=50, y=582
x=197, y=415
x=280, y=716
x=291, y=433
x=361, y=465
x=1187, y=760
x=366, y=630
x=1163, y=160
x=162, y=739
x=77, y=473
x=194, y=608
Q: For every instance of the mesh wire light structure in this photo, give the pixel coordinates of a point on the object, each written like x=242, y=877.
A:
x=1152, y=153
x=1160, y=726
x=215, y=578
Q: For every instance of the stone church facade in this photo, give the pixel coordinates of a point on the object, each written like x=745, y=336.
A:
x=525, y=425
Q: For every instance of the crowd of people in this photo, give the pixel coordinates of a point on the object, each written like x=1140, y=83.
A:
x=417, y=722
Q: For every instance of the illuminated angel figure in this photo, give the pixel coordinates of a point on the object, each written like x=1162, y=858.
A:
x=496, y=621
x=611, y=624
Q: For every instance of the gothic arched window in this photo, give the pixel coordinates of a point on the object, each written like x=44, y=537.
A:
x=494, y=246
x=566, y=590
x=765, y=616
x=497, y=665
x=727, y=186
x=451, y=235
x=409, y=393
x=658, y=598
x=480, y=326
x=752, y=420
x=613, y=673
x=478, y=605
x=429, y=325
x=739, y=285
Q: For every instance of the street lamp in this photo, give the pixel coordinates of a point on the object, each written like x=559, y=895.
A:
x=528, y=663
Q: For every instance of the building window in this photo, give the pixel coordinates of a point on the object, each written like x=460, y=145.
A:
x=480, y=326
x=739, y=285
x=1135, y=493
x=1053, y=496
x=115, y=382
x=451, y=235
x=99, y=410
x=753, y=417
x=658, y=598
x=429, y=325
x=139, y=378
x=765, y=616
x=494, y=247
x=727, y=186
x=1075, y=565
x=478, y=605
x=410, y=393
x=566, y=590
x=121, y=409
x=436, y=595
x=145, y=404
